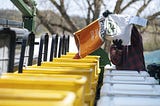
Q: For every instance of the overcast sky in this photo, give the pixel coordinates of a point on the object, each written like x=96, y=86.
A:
x=74, y=10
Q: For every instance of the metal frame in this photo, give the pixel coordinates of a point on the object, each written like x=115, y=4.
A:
x=67, y=43
x=27, y=39
x=60, y=46
x=56, y=45
x=64, y=45
x=43, y=42
x=12, y=45
x=53, y=47
x=28, y=13
x=31, y=48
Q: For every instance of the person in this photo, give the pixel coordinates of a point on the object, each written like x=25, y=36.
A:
x=128, y=57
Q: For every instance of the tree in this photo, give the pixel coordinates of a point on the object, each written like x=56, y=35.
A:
x=91, y=10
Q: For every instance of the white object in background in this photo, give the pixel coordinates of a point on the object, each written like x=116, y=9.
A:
x=126, y=73
x=110, y=67
x=128, y=101
x=130, y=80
x=72, y=45
x=138, y=21
x=130, y=90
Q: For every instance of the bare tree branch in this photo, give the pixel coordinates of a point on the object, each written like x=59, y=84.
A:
x=45, y=22
x=28, y=2
x=64, y=14
x=97, y=7
x=153, y=16
x=89, y=10
x=128, y=4
x=103, y=3
x=90, y=6
x=61, y=26
x=117, y=8
x=143, y=7
x=78, y=5
x=151, y=19
x=88, y=19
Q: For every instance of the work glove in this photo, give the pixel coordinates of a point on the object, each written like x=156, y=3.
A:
x=118, y=43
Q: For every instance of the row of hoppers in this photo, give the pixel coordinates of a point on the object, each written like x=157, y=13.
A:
x=63, y=82
x=129, y=88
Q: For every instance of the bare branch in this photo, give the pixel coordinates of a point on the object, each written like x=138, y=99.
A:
x=62, y=3
x=90, y=6
x=143, y=7
x=103, y=3
x=28, y=2
x=56, y=4
x=64, y=14
x=128, y=4
x=89, y=10
x=77, y=3
x=61, y=26
x=88, y=19
x=153, y=16
x=117, y=8
x=44, y=21
x=97, y=7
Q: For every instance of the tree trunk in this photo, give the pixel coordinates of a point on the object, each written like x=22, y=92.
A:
x=117, y=8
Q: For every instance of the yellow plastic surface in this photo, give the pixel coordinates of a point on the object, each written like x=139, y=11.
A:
x=72, y=53
x=94, y=85
x=71, y=83
x=78, y=61
x=56, y=97
x=87, y=57
x=90, y=98
x=10, y=102
x=66, y=71
x=75, y=65
x=50, y=65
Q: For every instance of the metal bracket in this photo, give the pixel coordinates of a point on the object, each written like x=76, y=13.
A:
x=43, y=42
x=27, y=39
x=12, y=45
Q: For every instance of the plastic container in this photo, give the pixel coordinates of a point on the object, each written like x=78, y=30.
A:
x=130, y=89
x=89, y=98
x=87, y=57
x=128, y=101
x=126, y=73
x=73, y=83
x=71, y=53
x=73, y=71
x=79, y=61
x=14, y=97
x=130, y=80
x=66, y=71
x=74, y=65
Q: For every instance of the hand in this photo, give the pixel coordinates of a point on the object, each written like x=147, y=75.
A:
x=118, y=43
